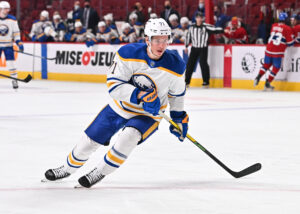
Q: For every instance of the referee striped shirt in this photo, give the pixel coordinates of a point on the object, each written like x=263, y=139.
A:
x=198, y=35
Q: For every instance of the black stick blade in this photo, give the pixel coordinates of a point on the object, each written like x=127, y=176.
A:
x=251, y=169
x=28, y=78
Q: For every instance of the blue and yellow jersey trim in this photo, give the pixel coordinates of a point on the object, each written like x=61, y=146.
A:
x=130, y=109
x=137, y=52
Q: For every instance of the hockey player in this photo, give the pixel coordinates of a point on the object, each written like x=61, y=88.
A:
x=59, y=28
x=9, y=33
x=296, y=27
x=128, y=34
x=104, y=35
x=142, y=80
x=42, y=30
x=281, y=37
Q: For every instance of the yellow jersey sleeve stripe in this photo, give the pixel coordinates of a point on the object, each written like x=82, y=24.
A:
x=114, y=158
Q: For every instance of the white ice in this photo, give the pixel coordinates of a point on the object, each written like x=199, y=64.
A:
x=43, y=120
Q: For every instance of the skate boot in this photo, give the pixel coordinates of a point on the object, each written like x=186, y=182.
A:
x=256, y=80
x=58, y=173
x=15, y=84
x=91, y=178
x=268, y=86
x=205, y=85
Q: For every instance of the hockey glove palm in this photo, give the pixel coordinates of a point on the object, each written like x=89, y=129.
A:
x=151, y=102
x=182, y=119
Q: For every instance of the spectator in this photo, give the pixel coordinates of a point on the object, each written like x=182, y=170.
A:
x=184, y=24
x=137, y=26
x=104, y=35
x=296, y=27
x=79, y=35
x=235, y=33
x=42, y=29
x=89, y=17
x=128, y=34
x=59, y=28
x=201, y=8
x=168, y=11
x=109, y=21
x=177, y=33
x=73, y=16
x=220, y=19
x=138, y=10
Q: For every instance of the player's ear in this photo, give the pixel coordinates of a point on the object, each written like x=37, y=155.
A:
x=147, y=40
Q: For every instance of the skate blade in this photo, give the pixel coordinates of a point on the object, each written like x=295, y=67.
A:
x=78, y=186
x=45, y=180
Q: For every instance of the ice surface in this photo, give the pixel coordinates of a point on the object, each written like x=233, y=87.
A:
x=40, y=124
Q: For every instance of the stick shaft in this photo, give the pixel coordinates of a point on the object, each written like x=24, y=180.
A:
x=29, y=54
x=27, y=79
x=242, y=173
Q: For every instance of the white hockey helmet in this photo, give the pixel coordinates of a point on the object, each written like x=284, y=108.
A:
x=125, y=25
x=78, y=24
x=45, y=14
x=101, y=24
x=157, y=27
x=4, y=5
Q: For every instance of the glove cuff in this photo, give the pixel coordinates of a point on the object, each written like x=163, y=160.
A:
x=134, y=95
x=177, y=114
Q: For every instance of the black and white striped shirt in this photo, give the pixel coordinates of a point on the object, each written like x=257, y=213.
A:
x=198, y=35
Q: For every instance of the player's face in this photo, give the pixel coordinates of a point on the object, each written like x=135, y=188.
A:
x=159, y=44
x=4, y=12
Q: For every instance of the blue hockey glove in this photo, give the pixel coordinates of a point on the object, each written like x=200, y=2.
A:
x=151, y=102
x=20, y=45
x=182, y=120
x=89, y=43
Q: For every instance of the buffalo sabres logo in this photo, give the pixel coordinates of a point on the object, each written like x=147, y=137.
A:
x=142, y=82
x=3, y=29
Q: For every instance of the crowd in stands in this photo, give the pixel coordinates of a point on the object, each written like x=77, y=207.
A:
x=83, y=24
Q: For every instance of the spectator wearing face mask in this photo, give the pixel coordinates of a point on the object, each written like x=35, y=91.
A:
x=220, y=19
x=89, y=17
x=138, y=10
x=168, y=11
x=201, y=9
x=73, y=16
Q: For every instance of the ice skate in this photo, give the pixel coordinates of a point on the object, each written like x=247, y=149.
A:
x=205, y=85
x=256, y=80
x=15, y=84
x=90, y=179
x=268, y=86
x=56, y=174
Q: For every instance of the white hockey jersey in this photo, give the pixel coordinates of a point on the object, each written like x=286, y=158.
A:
x=38, y=28
x=9, y=31
x=132, y=68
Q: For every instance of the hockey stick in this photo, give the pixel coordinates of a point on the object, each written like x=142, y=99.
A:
x=29, y=54
x=244, y=172
x=27, y=79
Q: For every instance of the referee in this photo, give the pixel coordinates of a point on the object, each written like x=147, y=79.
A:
x=198, y=35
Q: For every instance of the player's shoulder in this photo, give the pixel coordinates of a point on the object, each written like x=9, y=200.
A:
x=173, y=61
x=133, y=51
x=11, y=17
x=36, y=21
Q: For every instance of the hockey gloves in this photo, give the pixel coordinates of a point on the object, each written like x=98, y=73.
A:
x=89, y=43
x=20, y=45
x=151, y=102
x=182, y=119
